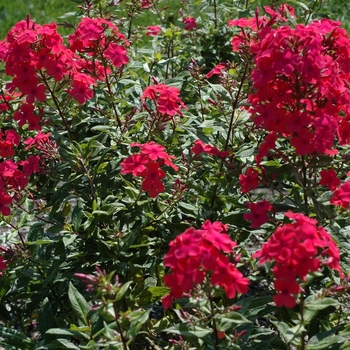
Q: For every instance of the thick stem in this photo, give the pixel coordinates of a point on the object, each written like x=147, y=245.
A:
x=215, y=14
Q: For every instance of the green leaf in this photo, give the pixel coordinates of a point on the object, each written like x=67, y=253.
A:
x=122, y=290
x=325, y=343
x=77, y=215
x=69, y=14
x=188, y=331
x=60, y=344
x=290, y=334
x=68, y=239
x=312, y=305
x=36, y=233
x=69, y=333
x=46, y=318
x=229, y=320
x=315, y=304
x=40, y=242
x=16, y=338
x=137, y=319
x=79, y=304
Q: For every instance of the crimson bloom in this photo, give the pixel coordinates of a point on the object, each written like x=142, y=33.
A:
x=200, y=147
x=166, y=98
x=153, y=30
x=190, y=23
x=258, y=213
x=152, y=181
x=117, y=54
x=217, y=70
x=341, y=195
x=147, y=165
x=329, y=178
x=135, y=164
x=297, y=249
x=249, y=180
x=197, y=253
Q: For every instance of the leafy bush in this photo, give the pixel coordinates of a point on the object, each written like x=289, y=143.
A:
x=178, y=185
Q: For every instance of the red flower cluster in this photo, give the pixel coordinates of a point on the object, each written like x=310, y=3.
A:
x=258, y=213
x=200, y=147
x=298, y=249
x=341, y=195
x=166, y=99
x=7, y=145
x=329, y=178
x=301, y=77
x=100, y=39
x=147, y=165
x=190, y=23
x=14, y=176
x=249, y=180
x=42, y=143
x=195, y=253
x=34, y=55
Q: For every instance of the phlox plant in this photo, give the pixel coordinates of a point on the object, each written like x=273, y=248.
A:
x=177, y=183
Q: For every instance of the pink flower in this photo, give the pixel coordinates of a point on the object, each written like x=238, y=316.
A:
x=329, y=178
x=258, y=213
x=190, y=23
x=341, y=195
x=195, y=253
x=153, y=30
x=216, y=70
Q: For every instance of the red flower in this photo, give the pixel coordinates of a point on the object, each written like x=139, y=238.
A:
x=329, y=178
x=259, y=213
x=152, y=182
x=81, y=90
x=200, y=147
x=341, y=195
x=31, y=165
x=195, y=253
x=117, y=54
x=135, y=164
x=296, y=250
x=26, y=115
x=286, y=293
x=153, y=30
x=156, y=152
x=5, y=200
x=216, y=70
x=190, y=23
x=249, y=180
x=166, y=98
x=229, y=277
x=2, y=263
x=147, y=165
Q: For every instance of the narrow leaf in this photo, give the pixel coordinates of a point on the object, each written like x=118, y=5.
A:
x=79, y=304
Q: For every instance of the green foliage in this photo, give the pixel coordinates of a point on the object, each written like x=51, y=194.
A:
x=84, y=244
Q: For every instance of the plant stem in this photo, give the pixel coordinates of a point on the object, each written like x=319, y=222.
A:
x=57, y=106
x=212, y=313
x=119, y=327
x=302, y=338
x=235, y=104
x=215, y=14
